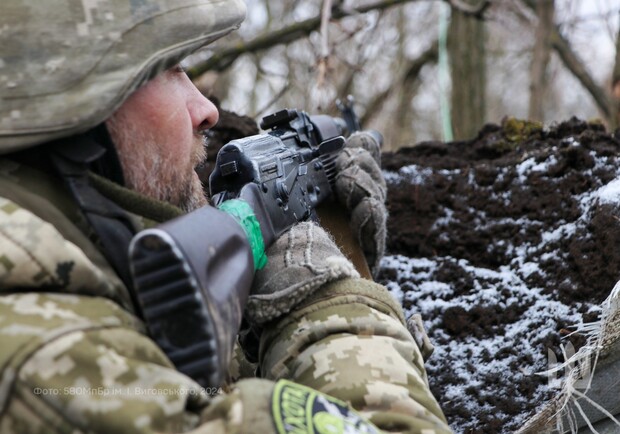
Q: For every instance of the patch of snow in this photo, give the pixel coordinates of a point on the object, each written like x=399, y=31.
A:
x=415, y=174
x=428, y=286
x=530, y=165
x=609, y=193
x=524, y=168
x=468, y=357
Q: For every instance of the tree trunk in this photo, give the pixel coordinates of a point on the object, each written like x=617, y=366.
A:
x=615, y=86
x=574, y=64
x=409, y=78
x=402, y=115
x=466, y=47
x=545, y=10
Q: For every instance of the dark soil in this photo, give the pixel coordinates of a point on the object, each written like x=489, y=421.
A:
x=505, y=193
x=592, y=262
x=503, y=243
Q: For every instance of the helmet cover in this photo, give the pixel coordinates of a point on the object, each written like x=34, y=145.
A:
x=66, y=65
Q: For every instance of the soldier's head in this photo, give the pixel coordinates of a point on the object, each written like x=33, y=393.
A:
x=70, y=66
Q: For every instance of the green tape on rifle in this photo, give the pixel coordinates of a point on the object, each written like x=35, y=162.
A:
x=244, y=214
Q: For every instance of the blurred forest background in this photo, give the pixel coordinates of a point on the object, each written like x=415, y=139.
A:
x=422, y=69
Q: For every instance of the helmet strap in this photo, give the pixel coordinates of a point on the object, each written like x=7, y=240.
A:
x=108, y=165
x=74, y=158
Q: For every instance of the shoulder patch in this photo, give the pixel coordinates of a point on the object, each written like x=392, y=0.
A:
x=298, y=409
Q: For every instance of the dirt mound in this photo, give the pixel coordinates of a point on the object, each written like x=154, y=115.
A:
x=503, y=243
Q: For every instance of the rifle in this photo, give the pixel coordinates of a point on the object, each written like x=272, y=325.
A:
x=192, y=275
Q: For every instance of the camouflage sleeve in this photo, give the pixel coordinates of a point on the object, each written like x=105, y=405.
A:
x=351, y=343
x=76, y=361
x=80, y=364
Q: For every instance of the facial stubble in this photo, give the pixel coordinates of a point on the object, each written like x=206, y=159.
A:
x=149, y=170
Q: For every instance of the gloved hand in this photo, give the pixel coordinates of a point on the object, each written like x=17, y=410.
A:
x=306, y=258
x=360, y=186
x=300, y=261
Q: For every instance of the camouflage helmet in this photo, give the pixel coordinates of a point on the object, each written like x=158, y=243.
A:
x=66, y=65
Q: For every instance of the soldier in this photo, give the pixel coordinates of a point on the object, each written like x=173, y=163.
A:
x=99, y=133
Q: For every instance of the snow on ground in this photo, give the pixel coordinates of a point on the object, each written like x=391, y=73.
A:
x=493, y=327
x=469, y=358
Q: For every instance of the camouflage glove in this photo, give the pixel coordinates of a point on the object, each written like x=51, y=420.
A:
x=361, y=188
x=300, y=261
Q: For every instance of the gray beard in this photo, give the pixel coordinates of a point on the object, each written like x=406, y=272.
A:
x=145, y=177
x=146, y=171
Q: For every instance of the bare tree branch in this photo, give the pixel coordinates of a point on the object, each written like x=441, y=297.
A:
x=272, y=101
x=353, y=68
x=326, y=15
x=224, y=58
x=412, y=71
x=476, y=10
x=577, y=68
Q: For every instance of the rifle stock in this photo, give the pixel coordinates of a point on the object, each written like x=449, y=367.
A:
x=335, y=220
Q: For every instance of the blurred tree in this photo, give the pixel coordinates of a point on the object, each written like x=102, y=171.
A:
x=304, y=54
x=615, y=84
x=467, y=52
x=300, y=29
x=540, y=58
x=575, y=65
x=403, y=87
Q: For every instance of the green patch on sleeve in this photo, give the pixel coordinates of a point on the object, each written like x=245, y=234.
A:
x=298, y=409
